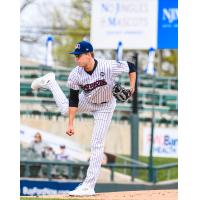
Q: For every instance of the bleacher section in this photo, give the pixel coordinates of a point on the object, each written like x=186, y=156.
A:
x=40, y=103
x=36, y=170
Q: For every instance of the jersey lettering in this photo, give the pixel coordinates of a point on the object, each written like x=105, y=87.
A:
x=89, y=87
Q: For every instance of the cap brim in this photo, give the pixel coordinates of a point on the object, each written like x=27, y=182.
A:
x=75, y=53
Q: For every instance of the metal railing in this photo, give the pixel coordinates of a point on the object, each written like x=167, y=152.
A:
x=112, y=167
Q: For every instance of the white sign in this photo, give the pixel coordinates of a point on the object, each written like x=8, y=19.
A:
x=165, y=142
x=132, y=22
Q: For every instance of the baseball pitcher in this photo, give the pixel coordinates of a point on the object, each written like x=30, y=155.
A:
x=95, y=78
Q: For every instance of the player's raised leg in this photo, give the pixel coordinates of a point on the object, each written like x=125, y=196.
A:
x=48, y=82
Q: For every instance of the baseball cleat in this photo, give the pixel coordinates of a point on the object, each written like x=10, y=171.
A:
x=82, y=190
x=42, y=81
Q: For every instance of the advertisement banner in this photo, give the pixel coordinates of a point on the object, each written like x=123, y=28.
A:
x=165, y=142
x=132, y=22
x=167, y=24
x=45, y=187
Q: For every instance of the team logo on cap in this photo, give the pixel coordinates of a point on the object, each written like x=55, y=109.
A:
x=78, y=46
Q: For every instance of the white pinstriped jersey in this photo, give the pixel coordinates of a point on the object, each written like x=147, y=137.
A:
x=97, y=87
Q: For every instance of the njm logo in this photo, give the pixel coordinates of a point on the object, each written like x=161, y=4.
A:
x=170, y=14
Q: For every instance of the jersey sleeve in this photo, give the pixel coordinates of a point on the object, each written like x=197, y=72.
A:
x=119, y=68
x=72, y=81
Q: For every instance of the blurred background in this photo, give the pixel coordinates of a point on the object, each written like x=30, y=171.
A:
x=144, y=32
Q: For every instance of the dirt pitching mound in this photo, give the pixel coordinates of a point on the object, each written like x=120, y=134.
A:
x=130, y=195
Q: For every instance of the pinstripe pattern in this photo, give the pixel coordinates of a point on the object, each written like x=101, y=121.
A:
x=61, y=101
x=101, y=125
x=97, y=88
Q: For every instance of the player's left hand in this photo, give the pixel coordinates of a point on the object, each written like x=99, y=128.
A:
x=120, y=93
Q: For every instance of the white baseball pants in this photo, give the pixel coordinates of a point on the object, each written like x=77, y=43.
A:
x=102, y=114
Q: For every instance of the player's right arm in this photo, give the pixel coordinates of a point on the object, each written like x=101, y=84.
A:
x=73, y=107
x=72, y=83
x=70, y=127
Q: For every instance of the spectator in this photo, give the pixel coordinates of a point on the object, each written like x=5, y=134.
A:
x=37, y=145
x=50, y=153
x=63, y=156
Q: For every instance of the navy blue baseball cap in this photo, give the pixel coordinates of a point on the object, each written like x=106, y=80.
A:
x=82, y=47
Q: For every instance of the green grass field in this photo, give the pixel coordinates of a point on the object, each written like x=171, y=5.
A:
x=36, y=198
x=162, y=174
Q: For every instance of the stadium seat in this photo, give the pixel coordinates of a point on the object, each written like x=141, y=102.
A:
x=165, y=100
x=44, y=93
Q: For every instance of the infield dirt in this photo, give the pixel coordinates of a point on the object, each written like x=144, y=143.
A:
x=130, y=195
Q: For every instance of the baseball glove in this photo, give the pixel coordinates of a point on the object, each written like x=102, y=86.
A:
x=120, y=93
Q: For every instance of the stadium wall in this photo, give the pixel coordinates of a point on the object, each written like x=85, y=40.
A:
x=118, y=137
x=117, y=141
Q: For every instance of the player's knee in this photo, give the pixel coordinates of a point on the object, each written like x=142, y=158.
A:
x=64, y=112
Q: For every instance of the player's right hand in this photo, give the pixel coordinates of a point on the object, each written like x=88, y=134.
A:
x=70, y=130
